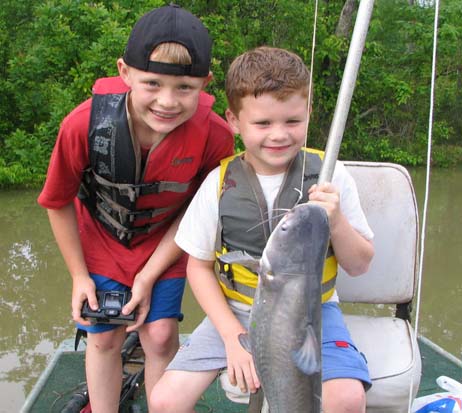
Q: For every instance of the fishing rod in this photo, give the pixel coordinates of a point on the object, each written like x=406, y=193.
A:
x=347, y=87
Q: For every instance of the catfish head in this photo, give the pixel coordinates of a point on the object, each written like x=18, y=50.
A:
x=298, y=243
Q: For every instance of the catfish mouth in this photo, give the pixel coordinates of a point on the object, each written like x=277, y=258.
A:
x=265, y=265
x=287, y=220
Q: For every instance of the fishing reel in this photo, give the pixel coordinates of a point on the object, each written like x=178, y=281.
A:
x=110, y=304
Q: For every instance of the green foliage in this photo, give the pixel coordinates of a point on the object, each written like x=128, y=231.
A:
x=52, y=52
x=391, y=100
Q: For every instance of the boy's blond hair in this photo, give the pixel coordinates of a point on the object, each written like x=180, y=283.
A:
x=266, y=70
x=171, y=53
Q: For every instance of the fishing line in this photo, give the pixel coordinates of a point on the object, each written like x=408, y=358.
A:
x=273, y=217
x=308, y=115
x=427, y=189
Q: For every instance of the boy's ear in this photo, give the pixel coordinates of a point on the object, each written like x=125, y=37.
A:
x=233, y=121
x=123, y=71
x=207, y=80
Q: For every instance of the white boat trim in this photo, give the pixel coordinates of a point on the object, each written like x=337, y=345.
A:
x=441, y=351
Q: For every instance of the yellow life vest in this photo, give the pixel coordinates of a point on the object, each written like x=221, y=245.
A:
x=237, y=281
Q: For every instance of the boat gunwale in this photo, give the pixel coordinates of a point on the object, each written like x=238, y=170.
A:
x=65, y=346
x=441, y=351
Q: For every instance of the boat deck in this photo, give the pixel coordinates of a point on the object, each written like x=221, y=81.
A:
x=65, y=375
x=436, y=362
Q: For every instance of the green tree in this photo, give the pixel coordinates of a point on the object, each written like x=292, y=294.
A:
x=52, y=52
x=51, y=68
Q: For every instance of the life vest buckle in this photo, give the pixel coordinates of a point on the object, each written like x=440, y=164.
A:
x=121, y=234
x=141, y=214
x=128, y=190
x=150, y=188
x=225, y=273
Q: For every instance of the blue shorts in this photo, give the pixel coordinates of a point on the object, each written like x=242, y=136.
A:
x=340, y=357
x=204, y=348
x=165, y=300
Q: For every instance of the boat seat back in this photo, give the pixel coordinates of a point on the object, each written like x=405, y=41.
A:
x=388, y=342
x=388, y=200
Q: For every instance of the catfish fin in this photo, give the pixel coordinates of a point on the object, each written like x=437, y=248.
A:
x=244, y=339
x=241, y=257
x=308, y=357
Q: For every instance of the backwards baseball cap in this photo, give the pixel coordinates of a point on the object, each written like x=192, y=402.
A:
x=169, y=24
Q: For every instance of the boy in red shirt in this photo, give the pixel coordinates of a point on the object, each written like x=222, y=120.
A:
x=125, y=164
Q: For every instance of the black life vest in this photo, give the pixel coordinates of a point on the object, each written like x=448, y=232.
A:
x=114, y=181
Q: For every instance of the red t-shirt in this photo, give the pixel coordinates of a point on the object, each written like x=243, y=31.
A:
x=103, y=254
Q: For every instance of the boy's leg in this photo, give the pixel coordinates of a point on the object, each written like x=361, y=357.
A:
x=159, y=335
x=160, y=342
x=343, y=396
x=344, y=370
x=103, y=367
x=178, y=391
x=103, y=363
x=195, y=366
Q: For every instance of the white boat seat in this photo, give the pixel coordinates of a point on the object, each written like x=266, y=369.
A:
x=389, y=343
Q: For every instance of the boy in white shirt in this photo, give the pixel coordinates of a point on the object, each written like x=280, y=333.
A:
x=267, y=91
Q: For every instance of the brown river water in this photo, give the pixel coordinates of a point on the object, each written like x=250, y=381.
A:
x=35, y=286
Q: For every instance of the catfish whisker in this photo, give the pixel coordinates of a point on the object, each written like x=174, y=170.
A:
x=267, y=220
x=281, y=209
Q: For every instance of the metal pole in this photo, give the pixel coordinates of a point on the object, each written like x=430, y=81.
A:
x=342, y=106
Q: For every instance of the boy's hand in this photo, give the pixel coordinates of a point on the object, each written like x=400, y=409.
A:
x=241, y=369
x=141, y=301
x=83, y=288
x=327, y=197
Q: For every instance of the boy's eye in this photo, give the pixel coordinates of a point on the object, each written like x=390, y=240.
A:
x=262, y=122
x=293, y=121
x=153, y=83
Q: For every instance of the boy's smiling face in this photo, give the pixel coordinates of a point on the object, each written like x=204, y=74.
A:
x=160, y=103
x=272, y=130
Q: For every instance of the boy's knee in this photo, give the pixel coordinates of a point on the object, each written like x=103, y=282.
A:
x=343, y=396
x=353, y=402
x=163, y=400
x=161, y=335
x=158, y=403
x=109, y=341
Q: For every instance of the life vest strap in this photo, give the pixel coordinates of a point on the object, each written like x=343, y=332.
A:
x=225, y=274
x=328, y=285
x=162, y=186
x=232, y=284
x=133, y=191
x=127, y=215
x=123, y=232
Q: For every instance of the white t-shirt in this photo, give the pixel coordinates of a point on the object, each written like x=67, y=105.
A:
x=198, y=228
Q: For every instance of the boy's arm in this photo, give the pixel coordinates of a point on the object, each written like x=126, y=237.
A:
x=166, y=253
x=352, y=251
x=201, y=277
x=65, y=229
